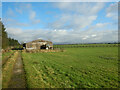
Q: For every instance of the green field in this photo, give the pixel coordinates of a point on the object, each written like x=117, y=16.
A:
x=74, y=68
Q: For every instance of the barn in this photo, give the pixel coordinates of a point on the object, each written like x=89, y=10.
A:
x=38, y=44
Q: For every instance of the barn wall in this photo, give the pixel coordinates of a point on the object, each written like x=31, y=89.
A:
x=38, y=44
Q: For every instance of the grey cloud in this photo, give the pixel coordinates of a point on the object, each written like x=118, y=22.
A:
x=65, y=36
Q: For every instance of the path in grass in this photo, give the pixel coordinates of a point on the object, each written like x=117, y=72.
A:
x=18, y=75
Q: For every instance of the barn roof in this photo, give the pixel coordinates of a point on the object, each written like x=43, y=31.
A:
x=39, y=40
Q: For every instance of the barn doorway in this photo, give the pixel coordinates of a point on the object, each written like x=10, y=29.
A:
x=43, y=47
x=24, y=45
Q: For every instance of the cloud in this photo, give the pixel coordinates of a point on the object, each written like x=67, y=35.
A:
x=18, y=10
x=74, y=24
x=58, y=36
x=28, y=9
x=14, y=31
x=21, y=9
x=102, y=25
x=14, y=23
x=10, y=13
x=81, y=7
x=75, y=15
x=75, y=21
x=35, y=21
x=32, y=15
x=112, y=11
x=93, y=35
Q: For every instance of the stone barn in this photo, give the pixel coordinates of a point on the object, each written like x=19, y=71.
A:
x=38, y=44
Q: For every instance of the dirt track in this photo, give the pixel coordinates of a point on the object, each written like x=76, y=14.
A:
x=18, y=75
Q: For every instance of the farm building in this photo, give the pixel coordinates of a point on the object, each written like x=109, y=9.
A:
x=38, y=44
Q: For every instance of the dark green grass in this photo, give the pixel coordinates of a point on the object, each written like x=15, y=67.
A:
x=76, y=67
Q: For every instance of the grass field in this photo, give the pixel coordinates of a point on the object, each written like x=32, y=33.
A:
x=75, y=68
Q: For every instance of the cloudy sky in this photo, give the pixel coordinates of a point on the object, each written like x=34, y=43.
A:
x=61, y=22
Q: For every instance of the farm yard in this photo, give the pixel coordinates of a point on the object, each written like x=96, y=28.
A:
x=76, y=67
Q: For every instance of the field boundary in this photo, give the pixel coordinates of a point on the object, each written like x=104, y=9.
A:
x=83, y=46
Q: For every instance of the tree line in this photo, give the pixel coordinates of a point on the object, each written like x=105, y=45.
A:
x=6, y=41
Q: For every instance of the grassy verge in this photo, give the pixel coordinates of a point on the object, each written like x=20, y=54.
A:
x=7, y=54
x=75, y=68
x=7, y=70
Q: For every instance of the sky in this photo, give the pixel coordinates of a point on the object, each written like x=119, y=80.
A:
x=61, y=22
